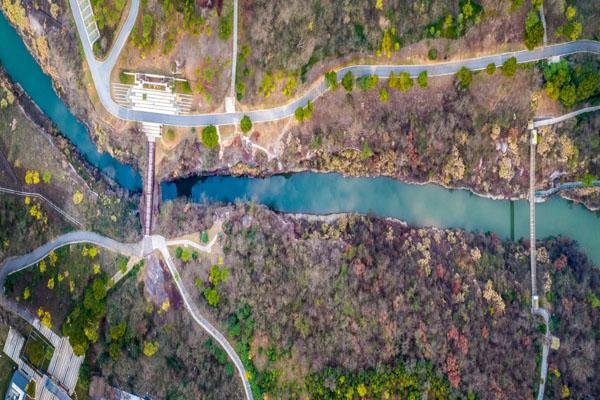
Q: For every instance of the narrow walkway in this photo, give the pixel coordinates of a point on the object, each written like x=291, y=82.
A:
x=543, y=19
x=159, y=243
x=572, y=114
x=234, y=51
x=56, y=208
x=149, y=188
x=535, y=309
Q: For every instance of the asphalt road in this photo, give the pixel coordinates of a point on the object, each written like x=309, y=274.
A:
x=100, y=71
x=149, y=244
x=15, y=264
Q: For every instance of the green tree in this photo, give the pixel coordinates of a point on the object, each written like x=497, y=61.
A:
x=204, y=237
x=588, y=180
x=150, y=348
x=331, y=80
x=245, y=124
x=217, y=275
x=114, y=350
x=464, y=76
x=225, y=27
x=186, y=255
x=212, y=296
x=267, y=85
x=571, y=30
x=432, y=54
x=568, y=95
x=348, y=81
x=509, y=68
x=170, y=134
x=366, y=151
x=299, y=114
x=117, y=331
x=401, y=81
x=534, y=30
x=490, y=69
x=210, y=138
x=147, y=29
x=406, y=82
x=367, y=82
x=383, y=95
x=588, y=82
x=422, y=79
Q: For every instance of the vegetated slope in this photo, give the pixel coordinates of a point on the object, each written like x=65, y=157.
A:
x=162, y=352
x=359, y=293
x=474, y=136
x=35, y=157
x=281, y=42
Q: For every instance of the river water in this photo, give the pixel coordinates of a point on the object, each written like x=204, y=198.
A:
x=23, y=69
x=421, y=205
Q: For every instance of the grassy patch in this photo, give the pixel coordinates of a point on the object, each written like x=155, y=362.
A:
x=183, y=87
x=126, y=79
x=37, y=351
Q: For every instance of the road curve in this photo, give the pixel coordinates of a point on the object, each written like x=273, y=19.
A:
x=15, y=264
x=542, y=312
x=159, y=243
x=100, y=71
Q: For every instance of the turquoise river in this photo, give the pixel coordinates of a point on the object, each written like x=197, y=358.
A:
x=421, y=205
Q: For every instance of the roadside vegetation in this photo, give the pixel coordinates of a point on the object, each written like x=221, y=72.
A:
x=483, y=147
x=58, y=284
x=108, y=14
x=325, y=31
x=188, y=38
x=156, y=349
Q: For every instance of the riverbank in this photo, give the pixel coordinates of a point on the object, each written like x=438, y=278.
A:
x=37, y=158
x=473, y=138
x=55, y=46
x=418, y=205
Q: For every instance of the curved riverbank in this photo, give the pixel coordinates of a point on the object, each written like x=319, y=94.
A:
x=420, y=205
x=25, y=71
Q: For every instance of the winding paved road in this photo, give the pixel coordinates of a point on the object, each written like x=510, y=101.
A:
x=101, y=70
x=159, y=243
x=15, y=264
x=140, y=249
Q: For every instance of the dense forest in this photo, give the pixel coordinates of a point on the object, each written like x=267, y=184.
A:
x=340, y=304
